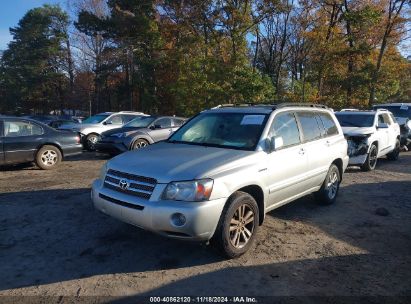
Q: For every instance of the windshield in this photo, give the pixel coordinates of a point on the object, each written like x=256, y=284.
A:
x=140, y=122
x=355, y=120
x=95, y=118
x=398, y=111
x=228, y=130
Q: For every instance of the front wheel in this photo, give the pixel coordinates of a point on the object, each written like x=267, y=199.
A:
x=48, y=157
x=371, y=160
x=139, y=143
x=329, y=189
x=238, y=225
x=395, y=154
x=91, y=141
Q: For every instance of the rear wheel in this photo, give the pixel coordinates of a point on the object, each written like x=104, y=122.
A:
x=238, y=225
x=48, y=157
x=395, y=154
x=329, y=189
x=91, y=141
x=371, y=160
x=139, y=143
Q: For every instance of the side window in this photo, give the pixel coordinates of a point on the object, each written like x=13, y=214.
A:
x=387, y=119
x=381, y=119
x=36, y=129
x=177, y=122
x=329, y=124
x=310, y=128
x=115, y=120
x=285, y=126
x=127, y=118
x=21, y=128
x=163, y=122
x=393, y=118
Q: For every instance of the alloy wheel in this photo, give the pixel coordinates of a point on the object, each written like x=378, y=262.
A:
x=49, y=157
x=241, y=226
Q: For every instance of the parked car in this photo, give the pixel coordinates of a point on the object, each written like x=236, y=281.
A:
x=91, y=128
x=370, y=135
x=402, y=114
x=138, y=133
x=25, y=140
x=218, y=175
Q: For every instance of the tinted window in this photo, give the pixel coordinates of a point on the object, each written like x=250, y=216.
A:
x=309, y=125
x=95, y=119
x=355, y=120
x=127, y=117
x=21, y=128
x=328, y=123
x=285, y=126
x=178, y=122
x=163, y=122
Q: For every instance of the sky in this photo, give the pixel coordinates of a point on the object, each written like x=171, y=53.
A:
x=11, y=11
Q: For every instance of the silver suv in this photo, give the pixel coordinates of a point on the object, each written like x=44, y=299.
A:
x=218, y=175
x=91, y=128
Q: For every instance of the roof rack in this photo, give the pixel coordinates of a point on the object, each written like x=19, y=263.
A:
x=300, y=104
x=272, y=106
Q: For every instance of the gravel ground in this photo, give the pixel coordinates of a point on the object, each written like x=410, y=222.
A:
x=53, y=243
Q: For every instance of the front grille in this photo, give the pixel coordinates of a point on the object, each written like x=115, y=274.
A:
x=139, y=186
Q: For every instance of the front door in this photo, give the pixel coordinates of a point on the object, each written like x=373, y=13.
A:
x=287, y=164
x=20, y=141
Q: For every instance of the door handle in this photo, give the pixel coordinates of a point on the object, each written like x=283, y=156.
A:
x=302, y=151
x=328, y=143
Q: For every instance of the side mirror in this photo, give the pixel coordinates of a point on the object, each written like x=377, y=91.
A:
x=382, y=126
x=275, y=143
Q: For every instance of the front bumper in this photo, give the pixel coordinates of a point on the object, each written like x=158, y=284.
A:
x=110, y=147
x=71, y=150
x=155, y=215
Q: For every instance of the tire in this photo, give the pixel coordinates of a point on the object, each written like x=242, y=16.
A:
x=48, y=157
x=395, y=154
x=371, y=160
x=329, y=190
x=139, y=143
x=90, y=142
x=234, y=243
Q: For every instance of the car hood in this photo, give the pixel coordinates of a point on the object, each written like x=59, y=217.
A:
x=168, y=162
x=129, y=130
x=358, y=130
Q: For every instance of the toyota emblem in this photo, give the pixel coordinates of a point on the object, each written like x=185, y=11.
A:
x=124, y=184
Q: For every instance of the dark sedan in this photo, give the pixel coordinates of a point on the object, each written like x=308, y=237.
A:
x=138, y=133
x=25, y=140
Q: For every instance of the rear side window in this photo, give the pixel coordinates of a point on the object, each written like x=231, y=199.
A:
x=329, y=124
x=285, y=126
x=387, y=119
x=21, y=128
x=310, y=128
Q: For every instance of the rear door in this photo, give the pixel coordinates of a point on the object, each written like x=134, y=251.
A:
x=314, y=146
x=383, y=135
x=21, y=139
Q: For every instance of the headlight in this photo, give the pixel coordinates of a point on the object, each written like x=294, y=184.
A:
x=191, y=191
x=103, y=171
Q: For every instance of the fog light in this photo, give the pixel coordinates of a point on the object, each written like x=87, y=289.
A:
x=178, y=219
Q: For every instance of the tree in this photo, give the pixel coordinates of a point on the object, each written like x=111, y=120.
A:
x=32, y=64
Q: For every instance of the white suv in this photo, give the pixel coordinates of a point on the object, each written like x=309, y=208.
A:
x=218, y=175
x=91, y=128
x=370, y=135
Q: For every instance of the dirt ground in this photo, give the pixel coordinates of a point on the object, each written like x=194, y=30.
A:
x=53, y=243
